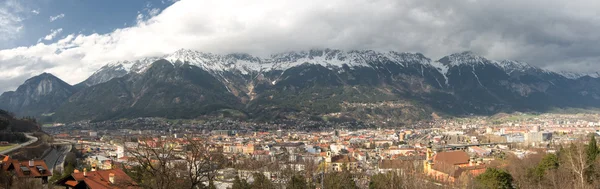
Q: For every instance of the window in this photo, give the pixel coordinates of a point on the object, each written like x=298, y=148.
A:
x=25, y=170
x=41, y=169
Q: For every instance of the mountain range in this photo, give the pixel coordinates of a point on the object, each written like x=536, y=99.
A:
x=357, y=85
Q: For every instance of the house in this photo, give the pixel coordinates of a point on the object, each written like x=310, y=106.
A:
x=101, y=179
x=27, y=169
x=101, y=161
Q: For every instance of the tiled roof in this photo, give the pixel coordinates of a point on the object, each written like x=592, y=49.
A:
x=451, y=157
x=343, y=159
x=100, y=180
x=23, y=169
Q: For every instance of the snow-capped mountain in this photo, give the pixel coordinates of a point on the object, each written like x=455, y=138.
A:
x=575, y=75
x=187, y=83
x=332, y=59
x=246, y=64
x=470, y=58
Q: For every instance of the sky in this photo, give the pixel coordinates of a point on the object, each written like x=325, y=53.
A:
x=73, y=38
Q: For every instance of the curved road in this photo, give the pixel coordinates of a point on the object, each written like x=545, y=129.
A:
x=32, y=139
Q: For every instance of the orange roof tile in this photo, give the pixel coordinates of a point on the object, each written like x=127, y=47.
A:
x=452, y=157
x=100, y=179
x=72, y=183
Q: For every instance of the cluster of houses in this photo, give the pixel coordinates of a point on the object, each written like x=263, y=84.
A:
x=37, y=171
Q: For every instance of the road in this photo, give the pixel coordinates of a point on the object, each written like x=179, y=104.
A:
x=32, y=139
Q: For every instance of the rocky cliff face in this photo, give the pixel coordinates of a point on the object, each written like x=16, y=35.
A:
x=41, y=94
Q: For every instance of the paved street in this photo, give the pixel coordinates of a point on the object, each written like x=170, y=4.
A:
x=32, y=139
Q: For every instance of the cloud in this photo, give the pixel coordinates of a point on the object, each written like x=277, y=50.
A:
x=546, y=33
x=153, y=12
x=54, y=18
x=10, y=20
x=52, y=34
x=36, y=12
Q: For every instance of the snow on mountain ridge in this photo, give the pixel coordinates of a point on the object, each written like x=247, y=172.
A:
x=574, y=75
x=510, y=66
x=466, y=57
x=246, y=63
x=330, y=58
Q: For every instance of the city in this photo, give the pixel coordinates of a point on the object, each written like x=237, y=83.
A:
x=468, y=145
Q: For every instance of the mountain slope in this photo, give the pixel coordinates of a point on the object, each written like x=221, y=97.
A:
x=163, y=90
x=41, y=94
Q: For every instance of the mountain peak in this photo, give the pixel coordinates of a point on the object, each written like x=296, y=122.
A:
x=512, y=65
x=465, y=57
x=41, y=77
x=185, y=53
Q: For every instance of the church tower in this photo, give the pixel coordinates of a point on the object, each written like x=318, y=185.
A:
x=428, y=163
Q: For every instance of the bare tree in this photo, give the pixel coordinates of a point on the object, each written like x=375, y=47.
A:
x=153, y=158
x=576, y=162
x=162, y=166
x=202, y=161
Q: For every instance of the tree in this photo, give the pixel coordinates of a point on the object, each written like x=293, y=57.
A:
x=200, y=163
x=297, y=182
x=261, y=182
x=161, y=167
x=386, y=181
x=549, y=162
x=68, y=170
x=211, y=185
x=4, y=123
x=27, y=184
x=576, y=160
x=5, y=178
x=494, y=178
x=55, y=176
x=240, y=183
x=339, y=180
x=591, y=154
x=386, y=145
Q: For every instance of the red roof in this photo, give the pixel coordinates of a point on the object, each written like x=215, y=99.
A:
x=452, y=157
x=22, y=168
x=100, y=180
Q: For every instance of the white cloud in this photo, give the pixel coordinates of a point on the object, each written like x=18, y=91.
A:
x=10, y=20
x=546, y=33
x=53, y=33
x=54, y=18
x=153, y=12
x=36, y=12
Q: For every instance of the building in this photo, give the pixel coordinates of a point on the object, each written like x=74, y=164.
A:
x=516, y=138
x=101, y=161
x=481, y=152
x=449, y=166
x=339, y=162
x=27, y=169
x=102, y=179
x=538, y=137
